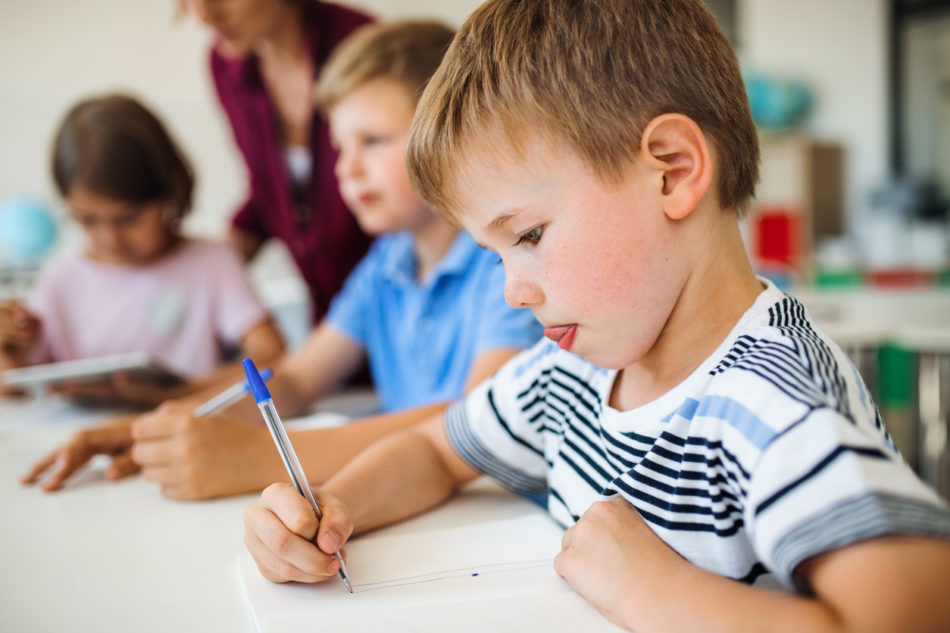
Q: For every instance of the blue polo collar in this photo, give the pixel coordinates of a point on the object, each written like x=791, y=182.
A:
x=400, y=263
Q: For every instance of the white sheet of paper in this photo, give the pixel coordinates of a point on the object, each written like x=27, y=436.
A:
x=497, y=575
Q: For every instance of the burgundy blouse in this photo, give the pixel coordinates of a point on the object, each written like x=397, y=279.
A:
x=318, y=229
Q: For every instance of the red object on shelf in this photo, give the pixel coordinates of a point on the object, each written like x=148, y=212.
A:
x=901, y=278
x=778, y=236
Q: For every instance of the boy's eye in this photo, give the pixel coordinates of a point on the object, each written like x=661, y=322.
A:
x=531, y=237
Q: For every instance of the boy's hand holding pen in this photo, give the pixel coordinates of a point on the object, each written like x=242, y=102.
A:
x=291, y=529
x=308, y=520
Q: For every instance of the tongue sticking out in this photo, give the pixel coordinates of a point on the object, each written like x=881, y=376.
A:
x=563, y=335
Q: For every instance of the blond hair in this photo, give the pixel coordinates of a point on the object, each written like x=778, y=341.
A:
x=406, y=51
x=590, y=75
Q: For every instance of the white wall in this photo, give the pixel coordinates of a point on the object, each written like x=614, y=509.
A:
x=53, y=52
x=837, y=46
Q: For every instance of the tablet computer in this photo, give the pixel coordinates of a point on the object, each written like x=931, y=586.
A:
x=138, y=366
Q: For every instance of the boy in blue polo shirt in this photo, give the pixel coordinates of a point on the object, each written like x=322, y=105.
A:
x=425, y=306
x=716, y=460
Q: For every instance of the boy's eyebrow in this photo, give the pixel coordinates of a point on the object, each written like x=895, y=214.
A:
x=501, y=218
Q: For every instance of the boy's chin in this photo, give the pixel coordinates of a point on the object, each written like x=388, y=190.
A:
x=603, y=358
x=373, y=227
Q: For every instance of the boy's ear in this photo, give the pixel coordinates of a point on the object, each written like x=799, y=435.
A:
x=675, y=148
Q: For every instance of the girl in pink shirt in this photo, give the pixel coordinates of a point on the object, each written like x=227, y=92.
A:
x=138, y=285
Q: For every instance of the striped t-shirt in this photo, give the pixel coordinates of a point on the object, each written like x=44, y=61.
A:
x=769, y=453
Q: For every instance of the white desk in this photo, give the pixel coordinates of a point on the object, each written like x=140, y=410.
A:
x=101, y=556
x=117, y=556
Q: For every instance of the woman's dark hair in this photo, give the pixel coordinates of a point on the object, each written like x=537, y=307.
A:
x=115, y=146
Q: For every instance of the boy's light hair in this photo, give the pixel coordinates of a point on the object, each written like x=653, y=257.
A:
x=589, y=75
x=406, y=51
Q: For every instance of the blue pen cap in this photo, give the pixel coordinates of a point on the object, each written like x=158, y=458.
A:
x=265, y=376
x=258, y=390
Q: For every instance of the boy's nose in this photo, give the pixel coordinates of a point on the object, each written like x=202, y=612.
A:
x=347, y=166
x=522, y=294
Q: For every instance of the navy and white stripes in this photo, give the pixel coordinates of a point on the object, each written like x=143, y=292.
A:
x=737, y=468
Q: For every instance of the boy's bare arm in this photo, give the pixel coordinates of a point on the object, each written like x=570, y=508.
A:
x=263, y=342
x=300, y=378
x=201, y=458
x=400, y=476
x=615, y=560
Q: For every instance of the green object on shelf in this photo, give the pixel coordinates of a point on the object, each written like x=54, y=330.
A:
x=838, y=279
x=896, y=395
x=943, y=279
x=897, y=376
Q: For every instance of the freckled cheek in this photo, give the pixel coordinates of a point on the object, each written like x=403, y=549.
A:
x=580, y=282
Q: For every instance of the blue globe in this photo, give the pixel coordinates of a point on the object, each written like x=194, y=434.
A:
x=27, y=230
x=778, y=103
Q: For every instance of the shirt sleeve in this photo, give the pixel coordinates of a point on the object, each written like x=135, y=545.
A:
x=492, y=427
x=248, y=217
x=239, y=309
x=500, y=325
x=825, y=483
x=348, y=310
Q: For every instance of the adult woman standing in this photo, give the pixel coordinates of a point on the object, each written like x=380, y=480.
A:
x=263, y=64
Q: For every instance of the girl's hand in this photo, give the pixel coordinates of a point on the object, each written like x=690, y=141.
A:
x=114, y=440
x=287, y=542
x=19, y=329
x=119, y=389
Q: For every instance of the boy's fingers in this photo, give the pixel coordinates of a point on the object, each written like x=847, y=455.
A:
x=121, y=466
x=163, y=475
x=291, y=509
x=292, y=555
x=65, y=465
x=335, y=525
x=39, y=467
x=567, y=538
x=153, y=452
x=166, y=420
x=273, y=567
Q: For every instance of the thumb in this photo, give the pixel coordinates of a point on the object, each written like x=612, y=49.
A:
x=336, y=527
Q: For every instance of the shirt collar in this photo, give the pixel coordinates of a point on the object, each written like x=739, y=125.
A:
x=400, y=263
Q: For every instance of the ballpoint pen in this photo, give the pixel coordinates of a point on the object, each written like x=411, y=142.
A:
x=229, y=396
x=266, y=404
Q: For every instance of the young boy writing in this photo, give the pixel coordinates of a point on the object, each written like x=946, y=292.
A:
x=425, y=306
x=701, y=438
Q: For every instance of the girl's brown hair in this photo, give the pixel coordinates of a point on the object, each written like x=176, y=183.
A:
x=115, y=146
